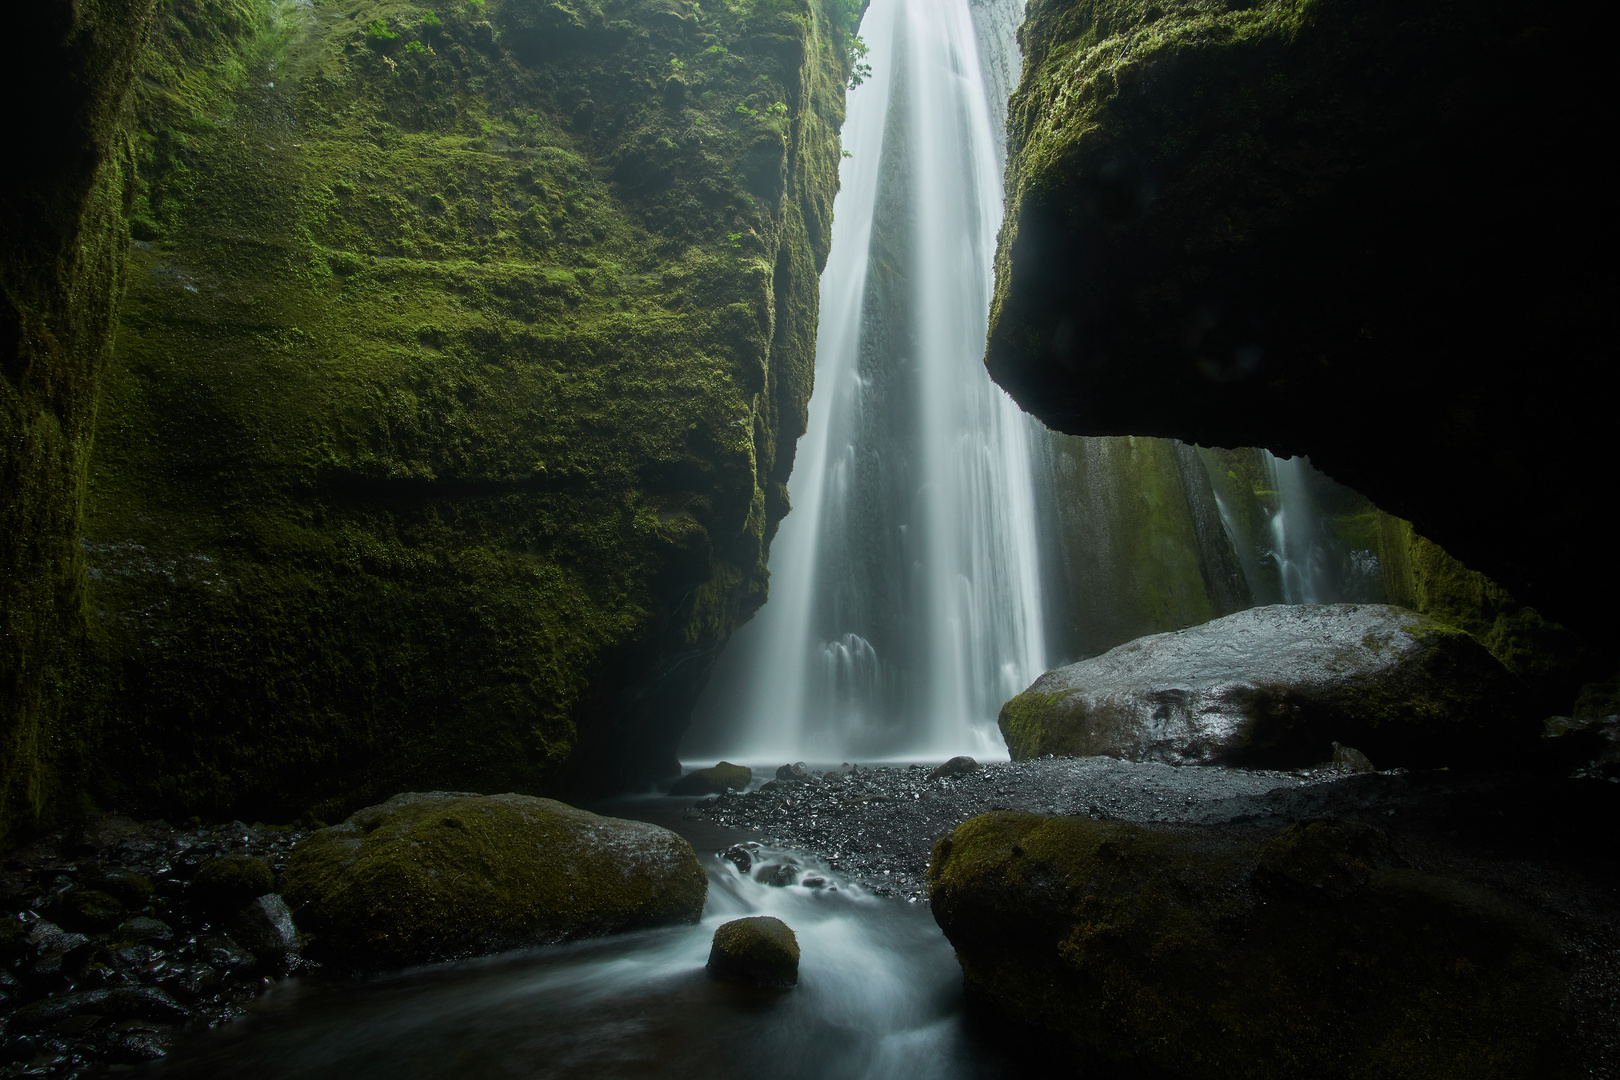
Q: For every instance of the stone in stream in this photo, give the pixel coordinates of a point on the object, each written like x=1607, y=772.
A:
x=435, y=875
x=265, y=928
x=792, y=773
x=1349, y=759
x=761, y=949
x=960, y=765
x=1311, y=953
x=716, y=780
x=1273, y=686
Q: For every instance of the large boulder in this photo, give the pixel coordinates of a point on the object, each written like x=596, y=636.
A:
x=1312, y=953
x=1277, y=686
x=435, y=875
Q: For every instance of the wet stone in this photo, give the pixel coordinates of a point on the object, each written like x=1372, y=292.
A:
x=739, y=857
x=761, y=949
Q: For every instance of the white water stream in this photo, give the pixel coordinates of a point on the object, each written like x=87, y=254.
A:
x=905, y=602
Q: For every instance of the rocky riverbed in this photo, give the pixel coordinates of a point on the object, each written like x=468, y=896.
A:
x=117, y=934
x=1543, y=843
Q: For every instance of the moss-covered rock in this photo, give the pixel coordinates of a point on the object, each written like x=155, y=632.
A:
x=760, y=949
x=1278, y=686
x=226, y=884
x=456, y=390
x=430, y=876
x=1200, y=956
x=1257, y=224
x=715, y=780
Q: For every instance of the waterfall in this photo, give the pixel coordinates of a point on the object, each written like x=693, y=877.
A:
x=905, y=602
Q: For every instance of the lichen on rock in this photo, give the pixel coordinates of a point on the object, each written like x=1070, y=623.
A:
x=435, y=875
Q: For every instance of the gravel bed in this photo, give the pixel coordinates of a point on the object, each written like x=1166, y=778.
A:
x=877, y=826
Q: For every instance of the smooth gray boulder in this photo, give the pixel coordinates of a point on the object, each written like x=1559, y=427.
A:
x=1276, y=687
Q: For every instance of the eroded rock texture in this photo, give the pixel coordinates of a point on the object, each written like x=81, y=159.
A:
x=1365, y=232
x=1277, y=687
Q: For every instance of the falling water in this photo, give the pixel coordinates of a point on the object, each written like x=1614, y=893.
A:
x=905, y=596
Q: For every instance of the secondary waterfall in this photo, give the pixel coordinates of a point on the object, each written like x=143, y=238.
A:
x=905, y=601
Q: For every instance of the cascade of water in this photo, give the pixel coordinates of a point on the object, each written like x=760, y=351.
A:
x=1294, y=541
x=905, y=596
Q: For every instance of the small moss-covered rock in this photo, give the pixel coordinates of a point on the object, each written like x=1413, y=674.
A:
x=132, y=889
x=435, y=875
x=960, y=765
x=760, y=949
x=88, y=910
x=226, y=884
x=716, y=780
x=1276, y=686
x=1203, y=956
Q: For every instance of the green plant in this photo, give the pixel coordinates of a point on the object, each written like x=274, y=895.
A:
x=859, y=70
x=417, y=47
x=777, y=109
x=430, y=21
x=378, y=36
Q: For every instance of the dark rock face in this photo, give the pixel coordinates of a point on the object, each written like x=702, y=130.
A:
x=1313, y=953
x=428, y=876
x=715, y=780
x=1272, y=687
x=761, y=949
x=1235, y=224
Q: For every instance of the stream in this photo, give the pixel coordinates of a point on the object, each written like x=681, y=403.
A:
x=879, y=995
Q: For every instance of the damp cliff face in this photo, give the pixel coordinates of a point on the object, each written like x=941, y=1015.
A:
x=460, y=369
x=1347, y=230
x=64, y=199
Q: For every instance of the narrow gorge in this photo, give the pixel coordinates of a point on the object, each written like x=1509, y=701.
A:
x=952, y=538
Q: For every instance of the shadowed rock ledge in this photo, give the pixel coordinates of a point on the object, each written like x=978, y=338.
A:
x=1363, y=232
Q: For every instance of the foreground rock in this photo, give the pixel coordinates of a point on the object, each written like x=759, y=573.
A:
x=761, y=949
x=715, y=780
x=1276, y=687
x=435, y=875
x=1201, y=955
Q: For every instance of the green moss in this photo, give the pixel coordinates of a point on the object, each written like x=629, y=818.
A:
x=432, y=876
x=64, y=223
x=1024, y=724
x=1419, y=574
x=1195, y=955
x=761, y=948
x=446, y=417
x=229, y=883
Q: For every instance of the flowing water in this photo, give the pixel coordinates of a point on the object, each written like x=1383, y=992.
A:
x=905, y=601
x=879, y=996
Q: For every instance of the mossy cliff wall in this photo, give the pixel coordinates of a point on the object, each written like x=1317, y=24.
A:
x=1361, y=231
x=460, y=372
x=1134, y=539
x=64, y=199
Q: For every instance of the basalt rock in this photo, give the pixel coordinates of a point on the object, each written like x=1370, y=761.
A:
x=1276, y=687
x=1256, y=224
x=715, y=780
x=1196, y=955
x=761, y=949
x=428, y=876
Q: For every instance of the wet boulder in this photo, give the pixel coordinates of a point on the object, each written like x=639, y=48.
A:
x=792, y=773
x=224, y=885
x=265, y=928
x=716, y=780
x=436, y=875
x=960, y=765
x=1275, y=687
x=1312, y=952
x=761, y=949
